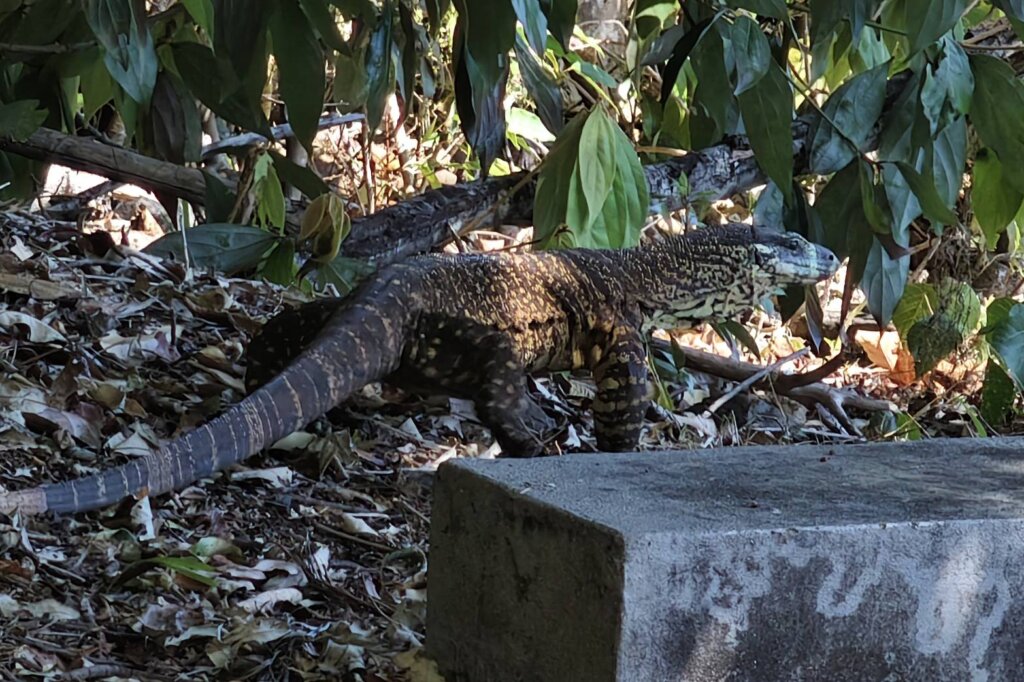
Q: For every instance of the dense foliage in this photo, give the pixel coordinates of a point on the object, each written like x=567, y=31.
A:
x=904, y=99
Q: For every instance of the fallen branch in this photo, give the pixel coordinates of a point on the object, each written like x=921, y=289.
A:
x=834, y=400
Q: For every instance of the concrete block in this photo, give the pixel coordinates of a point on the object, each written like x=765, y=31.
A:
x=865, y=562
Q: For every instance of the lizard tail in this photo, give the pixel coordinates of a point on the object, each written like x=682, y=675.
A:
x=359, y=345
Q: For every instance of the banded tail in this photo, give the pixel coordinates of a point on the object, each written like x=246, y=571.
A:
x=358, y=346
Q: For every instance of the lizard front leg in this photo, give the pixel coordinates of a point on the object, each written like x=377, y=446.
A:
x=620, y=373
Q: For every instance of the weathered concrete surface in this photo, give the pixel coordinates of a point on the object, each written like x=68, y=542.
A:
x=868, y=562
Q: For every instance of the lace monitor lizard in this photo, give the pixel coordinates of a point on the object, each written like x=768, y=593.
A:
x=475, y=324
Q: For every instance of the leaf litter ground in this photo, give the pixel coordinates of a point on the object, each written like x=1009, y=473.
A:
x=308, y=561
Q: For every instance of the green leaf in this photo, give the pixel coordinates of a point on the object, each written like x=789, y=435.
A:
x=767, y=109
x=947, y=89
x=270, y=208
x=1013, y=8
x=173, y=129
x=998, y=394
x=541, y=86
x=927, y=20
x=733, y=332
x=554, y=181
x=931, y=340
x=213, y=81
x=490, y=30
x=1007, y=339
x=342, y=273
x=201, y=12
x=846, y=228
x=534, y=21
x=765, y=8
x=998, y=91
x=883, y=282
x=280, y=267
x=751, y=51
x=128, y=47
x=190, y=567
x=994, y=200
x=854, y=109
x=711, y=105
x=566, y=190
x=301, y=177
x=300, y=60
x=320, y=17
x=874, y=202
x=379, y=70
x=927, y=195
x=596, y=161
x=561, y=19
x=949, y=155
x=918, y=302
x=18, y=120
x=221, y=246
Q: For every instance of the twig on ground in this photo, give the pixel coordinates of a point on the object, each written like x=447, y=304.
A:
x=834, y=400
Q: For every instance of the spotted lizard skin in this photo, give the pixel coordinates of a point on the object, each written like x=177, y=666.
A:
x=473, y=325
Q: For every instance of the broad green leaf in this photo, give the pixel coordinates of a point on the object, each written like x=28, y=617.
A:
x=280, y=267
x=534, y=21
x=302, y=177
x=221, y=246
x=541, y=86
x=767, y=110
x=215, y=84
x=842, y=214
x=300, y=61
x=350, y=86
x=1007, y=339
x=1013, y=8
x=561, y=19
x=97, y=87
x=711, y=104
x=190, y=567
x=998, y=91
x=918, y=302
x=201, y=12
x=883, y=282
x=924, y=189
x=903, y=204
x=596, y=162
x=479, y=100
x=949, y=155
x=766, y=8
x=173, y=129
x=751, y=51
x=562, y=199
x=947, y=88
x=931, y=340
x=870, y=51
x=270, y=208
x=854, y=109
x=240, y=28
x=490, y=30
x=18, y=120
x=128, y=47
x=733, y=332
x=874, y=202
x=554, y=181
x=379, y=70
x=994, y=200
x=342, y=273
x=928, y=20
x=319, y=15
x=998, y=394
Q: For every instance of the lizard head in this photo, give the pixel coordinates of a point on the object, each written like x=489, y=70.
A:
x=728, y=269
x=784, y=258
